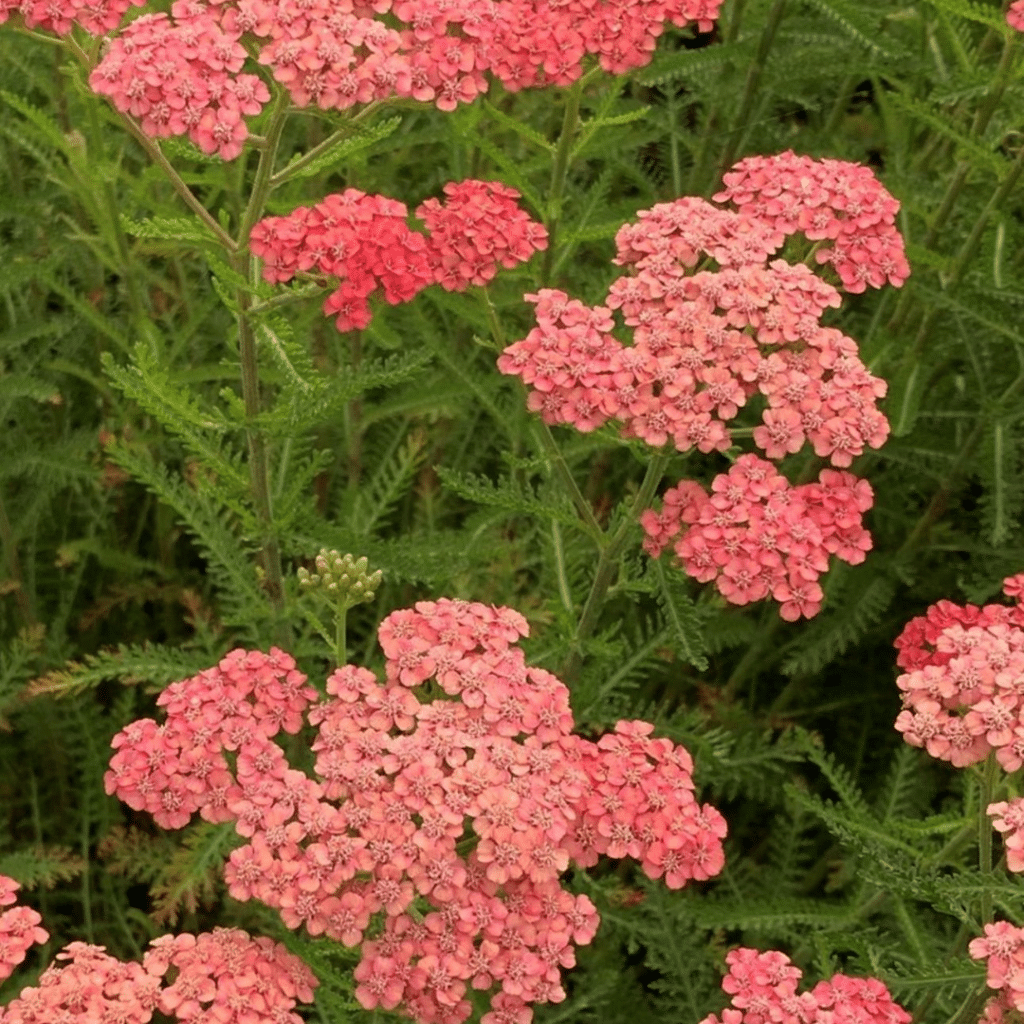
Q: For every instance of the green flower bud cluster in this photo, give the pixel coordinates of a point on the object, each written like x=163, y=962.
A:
x=341, y=578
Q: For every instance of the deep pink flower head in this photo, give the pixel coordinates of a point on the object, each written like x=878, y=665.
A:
x=961, y=689
x=19, y=928
x=469, y=805
x=763, y=991
x=364, y=241
x=478, y=228
x=832, y=200
x=757, y=536
x=224, y=976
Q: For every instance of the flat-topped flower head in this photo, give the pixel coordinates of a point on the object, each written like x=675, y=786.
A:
x=763, y=990
x=825, y=200
x=439, y=820
x=705, y=342
x=224, y=976
x=364, y=242
x=756, y=536
x=961, y=686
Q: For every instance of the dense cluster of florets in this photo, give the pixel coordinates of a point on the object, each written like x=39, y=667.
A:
x=1002, y=947
x=704, y=344
x=451, y=818
x=963, y=688
x=181, y=73
x=364, y=242
x=756, y=535
x=19, y=929
x=181, y=76
x=763, y=989
x=478, y=228
x=825, y=200
x=224, y=976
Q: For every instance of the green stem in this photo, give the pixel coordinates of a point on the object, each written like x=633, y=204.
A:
x=340, y=637
x=548, y=442
x=559, y=173
x=246, y=265
x=583, y=509
x=606, y=564
x=14, y=568
x=754, y=73
x=989, y=775
x=318, y=151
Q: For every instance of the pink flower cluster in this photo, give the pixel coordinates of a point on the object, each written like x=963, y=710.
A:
x=181, y=76
x=1009, y=820
x=763, y=987
x=19, y=929
x=1015, y=15
x=830, y=200
x=365, y=242
x=756, y=535
x=223, y=976
x=478, y=227
x=1003, y=948
x=704, y=344
x=963, y=691
x=59, y=16
x=451, y=817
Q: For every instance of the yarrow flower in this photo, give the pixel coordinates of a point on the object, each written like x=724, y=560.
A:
x=826, y=200
x=756, y=535
x=19, y=929
x=364, y=241
x=962, y=692
x=180, y=73
x=452, y=819
x=224, y=976
x=180, y=76
x=704, y=344
x=763, y=988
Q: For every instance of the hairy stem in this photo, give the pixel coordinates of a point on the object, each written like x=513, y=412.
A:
x=754, y=73
x=559, y=173
x=246, y=265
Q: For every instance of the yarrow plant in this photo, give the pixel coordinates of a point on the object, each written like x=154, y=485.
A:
x=706, y=341
x=763, y=987
x=363, y=241
x=224, y=976
x=451, y=817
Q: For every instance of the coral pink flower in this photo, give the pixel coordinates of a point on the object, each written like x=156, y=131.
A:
x=475, y=802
